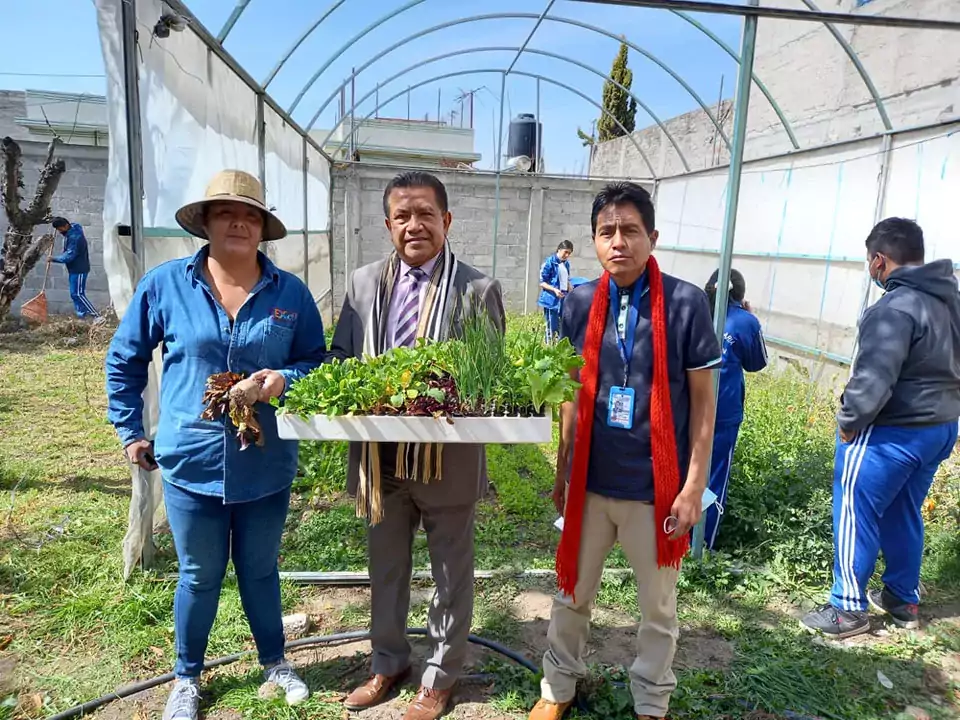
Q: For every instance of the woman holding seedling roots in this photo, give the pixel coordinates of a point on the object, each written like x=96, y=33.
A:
x=236, y=332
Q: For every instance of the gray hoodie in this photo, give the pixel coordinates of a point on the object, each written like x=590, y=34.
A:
x=908, y=369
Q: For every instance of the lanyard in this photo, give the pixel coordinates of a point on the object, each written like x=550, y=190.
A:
x=625, y=343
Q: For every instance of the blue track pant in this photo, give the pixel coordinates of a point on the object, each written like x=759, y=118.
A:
x=724, y=443
x=880, y=481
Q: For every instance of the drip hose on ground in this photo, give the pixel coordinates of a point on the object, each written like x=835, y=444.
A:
x=352, y=636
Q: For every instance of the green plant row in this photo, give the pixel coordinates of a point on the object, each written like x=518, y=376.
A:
x=481, y=373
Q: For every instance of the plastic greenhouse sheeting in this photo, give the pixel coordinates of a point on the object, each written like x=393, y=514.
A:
x=198, y=117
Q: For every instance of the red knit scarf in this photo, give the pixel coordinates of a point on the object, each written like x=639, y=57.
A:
x=666, y=468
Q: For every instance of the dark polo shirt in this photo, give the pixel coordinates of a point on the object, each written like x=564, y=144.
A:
x=621, y=464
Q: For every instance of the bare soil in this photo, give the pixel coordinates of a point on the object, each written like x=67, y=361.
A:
x=342, y=667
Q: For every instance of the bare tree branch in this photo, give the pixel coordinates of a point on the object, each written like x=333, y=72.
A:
x=39, y=209
x=51, y=149
x=20, y=252
x=37, y=249
x=12, y=179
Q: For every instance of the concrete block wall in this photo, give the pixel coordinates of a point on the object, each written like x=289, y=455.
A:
x=79, y=198
x=536, y=213
x=916, y=73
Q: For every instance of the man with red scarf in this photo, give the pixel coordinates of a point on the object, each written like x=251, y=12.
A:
x=634, y=448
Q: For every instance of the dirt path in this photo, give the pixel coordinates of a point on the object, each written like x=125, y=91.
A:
x=335, y=670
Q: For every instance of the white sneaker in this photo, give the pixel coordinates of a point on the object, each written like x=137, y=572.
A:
x=286, y=677
x=183, y=703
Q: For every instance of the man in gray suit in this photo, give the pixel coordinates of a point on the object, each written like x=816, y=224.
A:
x=421, y=290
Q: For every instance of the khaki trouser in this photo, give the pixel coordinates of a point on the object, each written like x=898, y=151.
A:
x=606, y=521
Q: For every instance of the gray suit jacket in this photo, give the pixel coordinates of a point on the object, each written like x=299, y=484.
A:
x=464, y=466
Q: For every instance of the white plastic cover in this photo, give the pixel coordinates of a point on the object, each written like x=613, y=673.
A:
x=198, y=117
x=801, y=227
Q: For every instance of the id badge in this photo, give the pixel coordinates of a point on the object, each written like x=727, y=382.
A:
x=620, y=408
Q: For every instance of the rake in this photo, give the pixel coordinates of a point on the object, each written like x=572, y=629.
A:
x=35, y=309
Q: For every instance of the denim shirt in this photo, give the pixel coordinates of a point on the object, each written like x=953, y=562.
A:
x=278, y=327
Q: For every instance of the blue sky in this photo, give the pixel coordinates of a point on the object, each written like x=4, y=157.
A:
x=269, y=27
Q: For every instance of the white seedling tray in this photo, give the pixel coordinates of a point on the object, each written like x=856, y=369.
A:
x=374, y=428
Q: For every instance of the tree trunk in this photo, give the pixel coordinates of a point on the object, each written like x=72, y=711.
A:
x=21, y=252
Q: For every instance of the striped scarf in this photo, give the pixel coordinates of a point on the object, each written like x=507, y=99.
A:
x=663, y=440
x=415, y=461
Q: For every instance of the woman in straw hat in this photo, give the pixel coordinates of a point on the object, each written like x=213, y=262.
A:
x=227, y=308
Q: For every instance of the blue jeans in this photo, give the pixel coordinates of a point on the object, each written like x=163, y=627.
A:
x=206, y=533
x=881, y=479
x=78, y=293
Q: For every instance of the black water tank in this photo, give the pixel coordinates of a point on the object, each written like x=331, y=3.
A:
x=522, y=139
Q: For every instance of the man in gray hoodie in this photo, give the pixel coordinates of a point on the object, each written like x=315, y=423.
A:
x=897, y=422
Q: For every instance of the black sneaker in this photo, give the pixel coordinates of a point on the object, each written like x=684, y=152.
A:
x=903, y=614
x=836, y=623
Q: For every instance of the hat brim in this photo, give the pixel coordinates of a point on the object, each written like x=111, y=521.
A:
x=190, y=218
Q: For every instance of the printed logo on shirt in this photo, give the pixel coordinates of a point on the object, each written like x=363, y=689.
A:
x=284, y=317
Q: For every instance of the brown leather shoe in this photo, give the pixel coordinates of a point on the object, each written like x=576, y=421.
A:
x=373, y=691
x=429, y=704
x=546, y=710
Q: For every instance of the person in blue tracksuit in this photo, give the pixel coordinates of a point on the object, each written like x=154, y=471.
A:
x=896, y=424
x=554, y=285
x=743, y=349
x=76, y=258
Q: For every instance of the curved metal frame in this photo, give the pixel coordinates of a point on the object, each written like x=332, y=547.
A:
x=350, y=43
x=847, y=48
x=855, y=59
x=296, y=45
x=499, y=71
x=232, y=20
x=502, y=16
x=522, y=16
x=468, y=51
x=760, y=86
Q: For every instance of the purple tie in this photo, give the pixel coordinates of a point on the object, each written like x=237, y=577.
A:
x=409, y=317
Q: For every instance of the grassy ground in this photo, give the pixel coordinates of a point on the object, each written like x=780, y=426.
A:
x=70, y=629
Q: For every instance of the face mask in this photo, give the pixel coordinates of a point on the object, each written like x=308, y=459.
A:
x=876, y=280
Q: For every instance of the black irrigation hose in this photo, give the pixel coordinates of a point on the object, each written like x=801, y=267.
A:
x=88, y=707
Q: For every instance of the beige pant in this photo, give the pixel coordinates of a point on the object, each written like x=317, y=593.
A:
x=606, y=521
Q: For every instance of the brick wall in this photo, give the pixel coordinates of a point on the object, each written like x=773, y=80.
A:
x=536, y=213
x=78, y=198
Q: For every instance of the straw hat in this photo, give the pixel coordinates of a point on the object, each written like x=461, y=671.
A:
x=231, y=186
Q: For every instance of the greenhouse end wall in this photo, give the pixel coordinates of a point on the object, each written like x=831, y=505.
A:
x=536, y=213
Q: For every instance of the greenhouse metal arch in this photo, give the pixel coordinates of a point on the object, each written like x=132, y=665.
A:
x=746, y=78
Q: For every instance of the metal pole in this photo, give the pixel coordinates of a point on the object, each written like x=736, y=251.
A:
x=742, y=104
x=536, y=129
x=261, y=142
x=306, y=216
x=471, y=109
x=180, y=8
x=131, y=86
x=353, y=111
x=499, y=146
